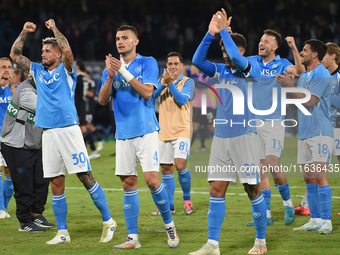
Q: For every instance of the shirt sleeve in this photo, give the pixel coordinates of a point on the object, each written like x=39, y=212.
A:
x=316, y=88
x=28, y=100
x=335, y=101
x=159, y=90
x=199, y=58
x=189, y=89
x=150, y=72
x=233, y=52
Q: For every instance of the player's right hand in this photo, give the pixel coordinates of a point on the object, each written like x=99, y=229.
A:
x=110, y=66
x=29, y=27
x=291, y=42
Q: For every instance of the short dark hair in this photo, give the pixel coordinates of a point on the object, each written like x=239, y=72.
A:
x=317, y=46
x=277, y=35
x=127, y=27
x=238, y=39
x=174, y=54
x=81, y=65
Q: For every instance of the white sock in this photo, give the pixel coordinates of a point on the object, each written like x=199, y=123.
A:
x=316, y=220
x=213, y=242
x=171, y=224
x=63, y=231
x=134, y=236
x=269, y=215
x=288, y=203
x=110, y=221
x=327, y=221
x=261, y=240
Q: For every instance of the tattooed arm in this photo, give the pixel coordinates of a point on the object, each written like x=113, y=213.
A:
x=65, y=48
x=16, y=50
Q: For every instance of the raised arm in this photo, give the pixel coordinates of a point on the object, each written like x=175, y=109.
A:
x=16, y=51
x=223, y=22
x=298, y=68
x=199, y=58
x=65, y=48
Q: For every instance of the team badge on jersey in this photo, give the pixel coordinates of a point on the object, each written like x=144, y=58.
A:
x=116, y=84
x=138, y=69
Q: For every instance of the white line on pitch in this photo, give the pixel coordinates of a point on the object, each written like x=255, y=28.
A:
x=194, y=192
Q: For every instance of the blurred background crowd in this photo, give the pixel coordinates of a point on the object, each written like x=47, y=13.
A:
x=164, y=25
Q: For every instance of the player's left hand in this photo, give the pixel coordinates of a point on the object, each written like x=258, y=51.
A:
x=168, y=79
x=222, y=20
x=50, y=24
x=285, y=80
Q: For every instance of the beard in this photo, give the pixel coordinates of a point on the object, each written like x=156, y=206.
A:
x=47, y=64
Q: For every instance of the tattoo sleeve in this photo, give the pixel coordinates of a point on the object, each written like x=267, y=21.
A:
x=87, y=179
x=63, y=44
x=16, y=53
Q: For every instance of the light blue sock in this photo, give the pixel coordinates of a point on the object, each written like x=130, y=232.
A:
x=59, y=205
x=169, y=184
x=99, y=199
x=162, y=202
x=325, y=198
x=260, y=216
x=131, y=210
x=8, y=190
x=267, y=195
x=185, y=181
x=2, y=200
x=216, y=216
x=313, y=200
x=284, y=191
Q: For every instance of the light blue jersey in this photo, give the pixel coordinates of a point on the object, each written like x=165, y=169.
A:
x=236, y=124
x=318, y=82
x=263, y=89
x=5, y=98
x=134, y=115
x=55, y=101
x=334, y=111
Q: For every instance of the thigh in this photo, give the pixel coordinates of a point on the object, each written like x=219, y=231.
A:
x=147, y=152
x=272, y=134
x=336, y=144
x=166, y=152
x=221, y=167
x=126, y=158
x=321, y=148
x=181, y=148
x=245, y=156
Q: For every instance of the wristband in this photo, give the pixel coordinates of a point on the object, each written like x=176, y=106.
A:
x=125, y=73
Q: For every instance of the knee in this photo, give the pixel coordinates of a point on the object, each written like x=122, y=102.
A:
x=153, y=184
x=180, y=164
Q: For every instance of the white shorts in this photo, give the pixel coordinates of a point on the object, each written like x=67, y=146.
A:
x=64, y=148
x=2, y=161
x=170, y=150
x=143, y=149
x=271, y=134
x=315, y=149
x=235, y=157
x=336, y=144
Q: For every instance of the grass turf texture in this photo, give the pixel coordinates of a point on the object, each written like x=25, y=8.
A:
x=85, y=224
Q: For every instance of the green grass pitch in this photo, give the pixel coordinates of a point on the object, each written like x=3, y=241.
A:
x=85, y=224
